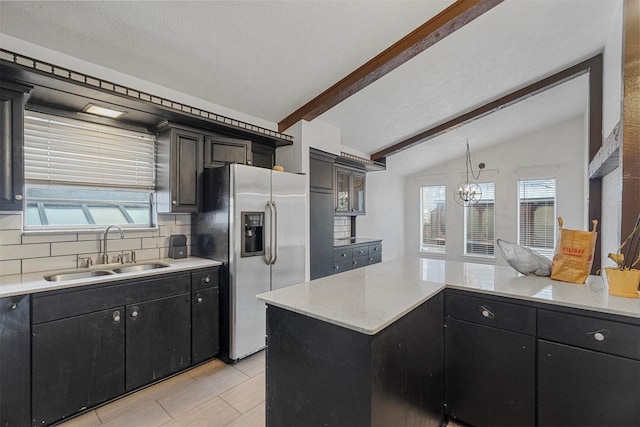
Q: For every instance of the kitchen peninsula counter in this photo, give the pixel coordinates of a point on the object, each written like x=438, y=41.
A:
x=367, y=347
x=367, y=300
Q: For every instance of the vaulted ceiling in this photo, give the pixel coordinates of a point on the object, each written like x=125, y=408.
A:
x=268, y=58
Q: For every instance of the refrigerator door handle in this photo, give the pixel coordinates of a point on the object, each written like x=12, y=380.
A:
x=274, y=248
x=268, y=258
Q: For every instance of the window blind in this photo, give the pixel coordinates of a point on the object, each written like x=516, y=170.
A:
x=62, y=151
x=536, y=215
x=480, y=223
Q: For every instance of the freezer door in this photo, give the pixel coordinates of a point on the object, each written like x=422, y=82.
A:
x=248, y=276
x=289, y=199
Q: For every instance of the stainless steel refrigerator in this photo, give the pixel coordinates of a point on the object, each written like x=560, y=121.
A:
x=254, y=222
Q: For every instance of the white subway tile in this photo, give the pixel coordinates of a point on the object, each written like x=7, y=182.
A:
x=148, y=254
x=49, y=238
x=11, y=221
x=68, y=248
x=10, y=267
x=10, y=237
x=184, y=219
x=37, y=250
x=46, y=264
x=124, y=244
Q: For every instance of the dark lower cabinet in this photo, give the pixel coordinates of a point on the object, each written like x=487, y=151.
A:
x=205, y=324
x=158, y=339
x=579, y=387
x=78, y=362
x=490, y=370
x=321, y=233
x=15, y=355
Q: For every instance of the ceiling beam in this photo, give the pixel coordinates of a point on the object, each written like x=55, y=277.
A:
x=437, y=28
x=498, y=104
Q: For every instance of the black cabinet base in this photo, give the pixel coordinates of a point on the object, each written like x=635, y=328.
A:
x=320, y=374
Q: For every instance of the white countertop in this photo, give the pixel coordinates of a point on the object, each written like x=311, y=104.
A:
x=20, y=284
x=369, y=299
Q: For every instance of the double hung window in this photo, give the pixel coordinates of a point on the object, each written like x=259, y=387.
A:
x=537, y=214
x=80, y=175
x=479, y=238
x=433, y=236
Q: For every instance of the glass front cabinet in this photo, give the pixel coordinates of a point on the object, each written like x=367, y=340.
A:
x=350, y=191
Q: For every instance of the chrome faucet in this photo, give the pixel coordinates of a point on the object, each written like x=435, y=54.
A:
x=105, y=256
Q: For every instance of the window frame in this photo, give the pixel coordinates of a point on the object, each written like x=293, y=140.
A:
x=433, y=249
x=483, y=256
x=547, y=252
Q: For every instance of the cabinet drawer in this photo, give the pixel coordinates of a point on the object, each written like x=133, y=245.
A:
x=360, y=262
x=360, y=251
x=342, y=254
x=503, y=315
x=606, y=336
x=340, y=266
x=66, y=304
x=375, y=249
x=202, y=279
x=375, y=258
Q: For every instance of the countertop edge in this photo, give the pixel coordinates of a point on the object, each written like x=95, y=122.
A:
x=31, y=283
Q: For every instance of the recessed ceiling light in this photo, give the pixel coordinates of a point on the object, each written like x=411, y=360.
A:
x=102, y=111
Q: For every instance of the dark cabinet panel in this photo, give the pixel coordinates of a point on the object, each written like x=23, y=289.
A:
x=11, y=147
x=264, y=156
x=321, y=234
x=321, y=171
x=158, y=339
x=489, y=375
x=221, y=150
x=15, y=355
x=356, y=256
x=578, y=387
x=350, y=191
x=205, y=324
x=180, y=165
x=78, y=362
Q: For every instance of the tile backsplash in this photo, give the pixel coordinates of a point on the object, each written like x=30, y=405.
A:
x=28, y=253
x=341, y=227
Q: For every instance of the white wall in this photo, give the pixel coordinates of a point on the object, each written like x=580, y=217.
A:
x=556, y=152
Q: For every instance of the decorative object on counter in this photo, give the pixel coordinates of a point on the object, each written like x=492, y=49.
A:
x=624, y=280
x=278, y=168
x=177, y=246
x=574, y=254
x=468, y=193
x=524, y=260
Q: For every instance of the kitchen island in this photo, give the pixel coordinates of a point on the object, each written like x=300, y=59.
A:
x=367, y=347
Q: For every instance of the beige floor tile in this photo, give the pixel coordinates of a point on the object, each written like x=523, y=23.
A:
x=90, y=419
x=253, y=418
x=247, y=395
x=126, y=404
x=252, y=365
x=208, y=369
x=212, y=413
x=206, y=387
x=147, y=413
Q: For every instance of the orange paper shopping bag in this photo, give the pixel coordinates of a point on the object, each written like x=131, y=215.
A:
x=574, y=254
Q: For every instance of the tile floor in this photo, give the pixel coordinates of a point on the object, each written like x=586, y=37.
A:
x=212, y=395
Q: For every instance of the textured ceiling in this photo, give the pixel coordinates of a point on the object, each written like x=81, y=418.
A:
x=267, y=58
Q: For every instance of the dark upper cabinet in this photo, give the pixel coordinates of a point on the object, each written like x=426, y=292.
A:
x=221, y=150
x=12, y=101
x=180, y=166
x=15, y=356
x=350, y=191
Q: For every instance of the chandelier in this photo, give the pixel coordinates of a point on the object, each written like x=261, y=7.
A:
x=468, y=193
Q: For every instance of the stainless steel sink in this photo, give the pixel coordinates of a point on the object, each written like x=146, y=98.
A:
x=140, y=267
x=70, y=275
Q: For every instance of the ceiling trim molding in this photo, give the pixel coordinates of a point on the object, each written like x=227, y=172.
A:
x=542, y=85
x=437, y=28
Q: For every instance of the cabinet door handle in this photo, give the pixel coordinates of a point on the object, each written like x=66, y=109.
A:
x=14, y=306
x=335, y=267
x=207, y=279
x=199, y=300
x=134, y=312
x=486, y=313
x=116, y=316
x=174, y=203
x=343, y=255
x=18, y=197
x=600, y=335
